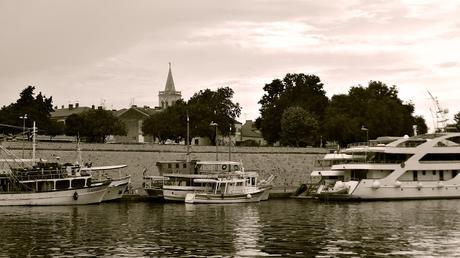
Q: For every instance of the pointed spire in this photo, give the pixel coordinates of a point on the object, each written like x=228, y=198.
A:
x=169, y=87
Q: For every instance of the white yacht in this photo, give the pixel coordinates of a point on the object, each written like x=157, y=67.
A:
x=118, y=186
x=419, y=167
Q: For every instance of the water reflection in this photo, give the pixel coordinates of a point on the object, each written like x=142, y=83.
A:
x=295, y=228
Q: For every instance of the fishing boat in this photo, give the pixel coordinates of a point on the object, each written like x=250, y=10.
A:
x=418, y=167
x=226, y=190
x=48, y=183
x=153, y=186
x=118, y=186
x=182, y=175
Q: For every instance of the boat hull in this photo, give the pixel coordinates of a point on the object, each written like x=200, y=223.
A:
x=177, y=194
x=205, y=198
x=116, y=189
x=89, y=195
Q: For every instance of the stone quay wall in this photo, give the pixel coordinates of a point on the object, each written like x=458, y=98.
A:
x=291, y=166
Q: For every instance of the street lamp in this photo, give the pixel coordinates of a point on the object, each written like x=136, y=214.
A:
x=215, y=125
x=24, y=117
x=363, y=128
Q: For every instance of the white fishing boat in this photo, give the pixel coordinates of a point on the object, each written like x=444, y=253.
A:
x=118, y=186
x=222, y=190
x=418, y=167
x=182, y=175
x=49, y=184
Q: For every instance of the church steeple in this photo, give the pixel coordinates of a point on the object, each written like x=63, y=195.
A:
x=169, y=96
x=169, y=87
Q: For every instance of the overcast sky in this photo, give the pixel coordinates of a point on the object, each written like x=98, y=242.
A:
x=117, y=52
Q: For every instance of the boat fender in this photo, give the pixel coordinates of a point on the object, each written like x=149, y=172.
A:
x=397, y=184
x=75, y=196
x=249, y=196
x=224, y=167
x=419, y=185
x=440, y=185
x=403, y=164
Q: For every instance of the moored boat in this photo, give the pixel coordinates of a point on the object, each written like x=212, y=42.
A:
x=49, y=184
x=418, y=167
x=222, y=190
x=118, y=186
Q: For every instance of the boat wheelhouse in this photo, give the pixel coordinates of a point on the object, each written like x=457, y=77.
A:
x=419, y=167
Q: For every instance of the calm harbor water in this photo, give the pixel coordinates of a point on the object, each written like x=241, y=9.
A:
x=284, y=227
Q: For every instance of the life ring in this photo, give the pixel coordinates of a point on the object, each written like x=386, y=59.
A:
x=224, y=167
x=75, y=196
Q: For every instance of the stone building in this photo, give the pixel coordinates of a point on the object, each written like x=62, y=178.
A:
x=249, y=132
x=61, y=114
x=169, y=96
x=133, y=118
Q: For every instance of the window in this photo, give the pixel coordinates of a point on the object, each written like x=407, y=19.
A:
x=454, y=173
x=185, y=165
x=169, y=166
x=434, y=172
x=415, y=175
x=441, y=175
x=423, y=172
x=177, y=165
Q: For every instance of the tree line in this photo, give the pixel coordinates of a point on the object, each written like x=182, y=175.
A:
x=294, y=111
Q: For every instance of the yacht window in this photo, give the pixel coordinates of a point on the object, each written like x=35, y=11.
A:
x=169, y=166
x=185, y=165
x=454, y=173
x=434, y=172
x=415, y=175
x=177, y=165
x=441, y=157
x=423, y=172
x=441, y=175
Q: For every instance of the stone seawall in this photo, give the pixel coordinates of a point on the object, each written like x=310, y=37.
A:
x=291, y=166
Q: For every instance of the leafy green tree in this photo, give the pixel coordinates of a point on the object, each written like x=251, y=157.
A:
x=170, y=123
x=376, y=107
x=422, y=128
x=298, y=127
x=208, y=106
x=204, y=107
x=95, y=125
x=37, y=108
x=305, y=91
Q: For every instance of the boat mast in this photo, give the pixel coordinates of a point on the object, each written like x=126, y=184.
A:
x=33, y=142
x=188, y=137
x=230, y=144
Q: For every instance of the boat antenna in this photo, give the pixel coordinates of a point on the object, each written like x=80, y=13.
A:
x=79, y=160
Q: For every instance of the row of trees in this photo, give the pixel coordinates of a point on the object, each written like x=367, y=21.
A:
x=204, y=109
x=295, y=111
x=92, y=125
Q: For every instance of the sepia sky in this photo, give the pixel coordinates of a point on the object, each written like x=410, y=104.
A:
x=117, y=52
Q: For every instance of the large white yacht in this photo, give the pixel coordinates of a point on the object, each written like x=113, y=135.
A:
x=418, y=167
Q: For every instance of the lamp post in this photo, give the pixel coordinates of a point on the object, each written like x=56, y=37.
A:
x=363, y=128
x=24, y=117
x=215, y=125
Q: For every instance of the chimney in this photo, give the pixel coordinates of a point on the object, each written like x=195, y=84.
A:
x=70, y=106
x=99, y=107
x=76, y=105
x=93, y=107
x=62, y=106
